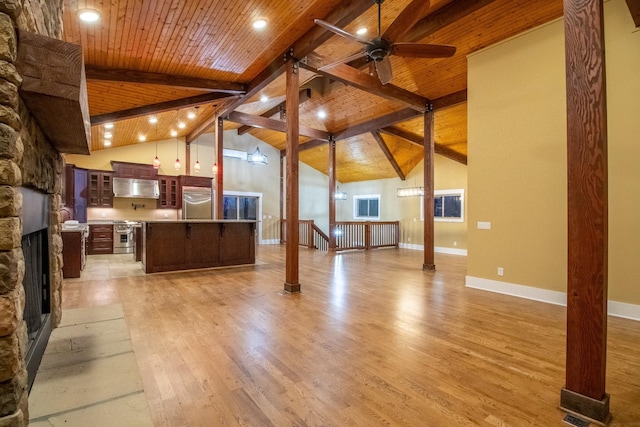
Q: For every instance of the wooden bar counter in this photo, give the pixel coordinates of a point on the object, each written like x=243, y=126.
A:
x=190, y=244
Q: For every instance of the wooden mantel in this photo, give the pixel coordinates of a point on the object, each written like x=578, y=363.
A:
x=54, y=90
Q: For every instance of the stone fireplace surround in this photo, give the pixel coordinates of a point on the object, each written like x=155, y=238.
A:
x=27, y=159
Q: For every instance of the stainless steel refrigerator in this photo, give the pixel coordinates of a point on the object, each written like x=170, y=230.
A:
x=197, y=203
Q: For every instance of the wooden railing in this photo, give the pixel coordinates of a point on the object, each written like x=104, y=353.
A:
x=309, y=235
x=349, y=235
x=367, y=235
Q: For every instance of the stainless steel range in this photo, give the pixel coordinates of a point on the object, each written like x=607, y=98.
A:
x=123, y=242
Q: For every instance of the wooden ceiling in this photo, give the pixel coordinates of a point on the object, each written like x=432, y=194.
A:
x=163, y=57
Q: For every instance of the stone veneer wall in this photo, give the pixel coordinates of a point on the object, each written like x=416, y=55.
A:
x=26, y=159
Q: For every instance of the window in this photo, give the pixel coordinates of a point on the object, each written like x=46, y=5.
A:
x=448, y=206
x=240, y=207
x=366, y=207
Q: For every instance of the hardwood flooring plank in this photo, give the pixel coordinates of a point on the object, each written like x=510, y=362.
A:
x=372, y=340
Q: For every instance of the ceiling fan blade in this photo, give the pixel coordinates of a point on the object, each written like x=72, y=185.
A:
x=418, y=50
x=340, y=32
x=343, y=60
x=385, y=74
x=408, y=18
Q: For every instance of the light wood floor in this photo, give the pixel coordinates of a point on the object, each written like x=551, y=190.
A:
x=371, y=340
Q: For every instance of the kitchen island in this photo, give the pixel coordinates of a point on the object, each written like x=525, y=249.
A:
x=190, y=244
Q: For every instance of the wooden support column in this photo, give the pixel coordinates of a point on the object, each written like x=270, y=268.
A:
x=282, y=231
x=332, y=194
x=429, y=147
x=292, y=283
x=220, y=173
x=187, y=159
x=584, y=393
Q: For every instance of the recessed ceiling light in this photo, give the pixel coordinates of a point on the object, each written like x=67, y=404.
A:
x=191, y=115
x=264, y=98
x=108, y=125
x=361, y=31
x=153, y=119
x=322, y=114
x=181, y=125
x=259, y=24
x=88, y=15
x=107, y=143
x=142, y=138
x=108, y=135
x=174, y=133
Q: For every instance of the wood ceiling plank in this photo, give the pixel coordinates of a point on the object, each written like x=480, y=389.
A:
x=371, y=84
x=206, y=98
x=419, y=140
x=377, y=123
x=132, y=76
x=385, y=149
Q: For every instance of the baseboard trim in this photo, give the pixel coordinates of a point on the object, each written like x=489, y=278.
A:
x=437, y=249
x=615, y=308
x=270, y=242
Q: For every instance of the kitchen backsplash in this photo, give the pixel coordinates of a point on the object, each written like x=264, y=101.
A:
x=123, y=208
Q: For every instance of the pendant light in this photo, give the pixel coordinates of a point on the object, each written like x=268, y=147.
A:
x=177, y=163
x=196, y=166
x=156, y=161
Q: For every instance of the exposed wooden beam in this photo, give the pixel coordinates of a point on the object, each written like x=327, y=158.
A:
x=371, y=84
x=416, y=139
x=312, y=143
x=277, y=125
x=292, y=128
x=205, y=98
x=587, y=215
x=429, y=187
x=131, y=76
x=377, y=123
x=305, y=95
x=634, y=8
x=385, y=149
x=450, y=100
x=340, y=16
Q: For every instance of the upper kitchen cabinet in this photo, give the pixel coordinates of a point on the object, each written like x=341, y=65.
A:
x=195, y=181
x=169, y=192
x=100, y=189
x=134, y=170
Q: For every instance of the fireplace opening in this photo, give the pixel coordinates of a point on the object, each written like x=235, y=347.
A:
x=36, y=282
x=37, y=307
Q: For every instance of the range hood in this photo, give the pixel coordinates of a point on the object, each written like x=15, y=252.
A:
x=133, y=187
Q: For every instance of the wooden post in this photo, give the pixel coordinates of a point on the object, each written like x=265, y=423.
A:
x=584, y=393
x=282, y=225
x=332, y=195
x=429, y=147
x=219, y=174
x=187, y=159
x=310, y=243
x=367, y=235
x=292, y=283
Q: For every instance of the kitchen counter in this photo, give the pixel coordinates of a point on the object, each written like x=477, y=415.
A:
x=173, y=245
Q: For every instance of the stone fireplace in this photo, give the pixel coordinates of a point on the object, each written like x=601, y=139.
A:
x=30, y=167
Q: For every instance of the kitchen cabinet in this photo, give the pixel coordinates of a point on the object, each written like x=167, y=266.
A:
x=73, y=252
x=134, y=170
x=74, y=196
x=195, y=181
x=100, y=239
x=185, y=245
x=169, y=192
x=100, y=189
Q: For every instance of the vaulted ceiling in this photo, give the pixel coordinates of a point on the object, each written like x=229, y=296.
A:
x=164, y=57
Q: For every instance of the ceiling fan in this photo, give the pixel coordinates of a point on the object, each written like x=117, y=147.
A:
x=381, y=47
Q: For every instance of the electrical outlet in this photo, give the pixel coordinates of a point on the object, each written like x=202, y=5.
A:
x=500, y=271
x=455, y=244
